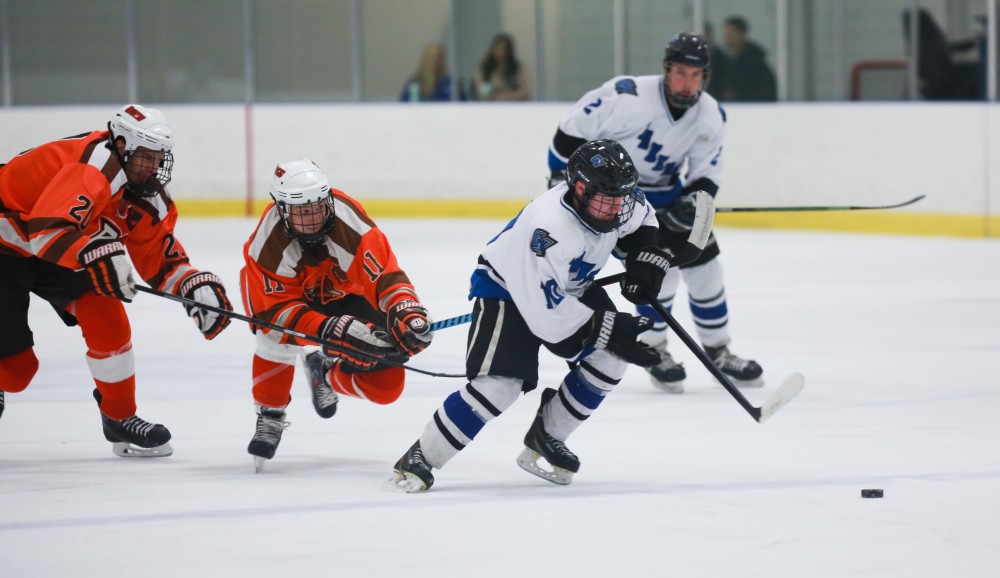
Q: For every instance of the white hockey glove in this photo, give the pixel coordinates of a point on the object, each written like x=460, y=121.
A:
x=351, y=335
x=618, y=334
x=410, y=325
x=206, y=288
x=644, y=272
x=109, y=269
x=679, y=217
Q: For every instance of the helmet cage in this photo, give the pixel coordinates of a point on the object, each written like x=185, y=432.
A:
x=609, y=177
x=147, y=128
x=301, y=193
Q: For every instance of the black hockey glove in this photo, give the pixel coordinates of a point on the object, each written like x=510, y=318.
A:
x=206, y=288
x=109, y=269
x=409, y=326
x=644, y=272
x=352, y=335
x=556, y=178
x=679, y=217
x=618, y=334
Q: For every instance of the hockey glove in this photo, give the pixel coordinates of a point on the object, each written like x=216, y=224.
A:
x=351, y=336
x=679, y=217
x=618, y=334
x=109, y=269
x=206, y=288
x=409, y=326
x=644, y=272
x=556, y=178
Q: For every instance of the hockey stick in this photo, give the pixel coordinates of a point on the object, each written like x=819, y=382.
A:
x=786, y=392
x=834, y=208
x=704, y=217
x=311, y=338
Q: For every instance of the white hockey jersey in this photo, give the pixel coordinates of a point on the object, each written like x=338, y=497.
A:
x=633, y=111
x=545, y=259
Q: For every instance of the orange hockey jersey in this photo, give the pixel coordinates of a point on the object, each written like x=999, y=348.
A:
x=56, y=198
x=281, y=278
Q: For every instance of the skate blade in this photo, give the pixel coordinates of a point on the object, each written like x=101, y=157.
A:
x=528, y=460
x=674, y=387
x=258, y=464
x=406, y=482
x=759, y=382
x=127, y=450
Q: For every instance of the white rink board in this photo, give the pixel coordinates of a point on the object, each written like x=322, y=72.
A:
x=791, y=153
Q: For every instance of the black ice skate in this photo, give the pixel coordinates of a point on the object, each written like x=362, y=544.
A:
x=539, y=444
x=270, y=423
x=669, y=375
x=135, y=437
x=412, y=473
x=742, y=372
x=323, y=396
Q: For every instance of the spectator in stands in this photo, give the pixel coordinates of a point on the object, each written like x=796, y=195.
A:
x=431, y=81
x=720, y=61
x=501, y=75
x=746, y=76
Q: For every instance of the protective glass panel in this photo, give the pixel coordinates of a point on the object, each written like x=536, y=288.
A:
x=190, y=51
x=744, y=38
x=67, y=51
x=489, y=27
x=404, y=42
x=578, y=47
x=304, y=51
x=649, y=25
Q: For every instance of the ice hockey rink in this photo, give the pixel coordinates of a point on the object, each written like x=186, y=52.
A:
x=898, y=338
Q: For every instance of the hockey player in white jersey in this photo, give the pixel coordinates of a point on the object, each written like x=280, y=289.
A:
x=533, y=287
x=664, y=121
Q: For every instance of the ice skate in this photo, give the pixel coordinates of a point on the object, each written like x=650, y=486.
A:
x=412, y=473
x=135, y=437
x=270, y=423
x=1, y=403
x=323, y=397
x=669, y=375
x=742, y=372
x=539, y=444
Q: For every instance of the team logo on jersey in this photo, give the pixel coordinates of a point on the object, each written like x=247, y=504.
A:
x=541, y=241
x=626, y=86
x=553, y=294
x=108, y=231
x=585, y=272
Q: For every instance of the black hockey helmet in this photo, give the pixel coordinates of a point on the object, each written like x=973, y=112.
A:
x=693, y=50
x=607, y=172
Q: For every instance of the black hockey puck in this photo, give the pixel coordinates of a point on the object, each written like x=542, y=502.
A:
x=873, y=493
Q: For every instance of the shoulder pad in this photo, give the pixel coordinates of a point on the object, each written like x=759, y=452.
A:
x=626, y=86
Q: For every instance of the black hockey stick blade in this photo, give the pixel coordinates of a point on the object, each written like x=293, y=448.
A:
x=304, y=336
x=831, y=208
x=789, y=389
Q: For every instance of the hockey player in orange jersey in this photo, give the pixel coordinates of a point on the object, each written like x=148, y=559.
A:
x=70, y=210
x=317, y=264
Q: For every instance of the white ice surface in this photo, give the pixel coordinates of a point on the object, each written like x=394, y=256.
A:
x=899, y=340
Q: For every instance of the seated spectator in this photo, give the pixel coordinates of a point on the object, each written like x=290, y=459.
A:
x=431, y=81
x=501, y=75
x=746, y=76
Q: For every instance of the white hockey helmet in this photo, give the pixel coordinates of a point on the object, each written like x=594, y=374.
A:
x=302, y=194
x=140, y=126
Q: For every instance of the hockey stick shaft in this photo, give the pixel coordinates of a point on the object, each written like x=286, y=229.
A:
x=831, y=208
x=789, y=389
x=297, y=334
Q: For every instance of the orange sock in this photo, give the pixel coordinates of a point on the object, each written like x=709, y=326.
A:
x=17, y=370
x=382, y=387
x=272, y=382
x=106, y=330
